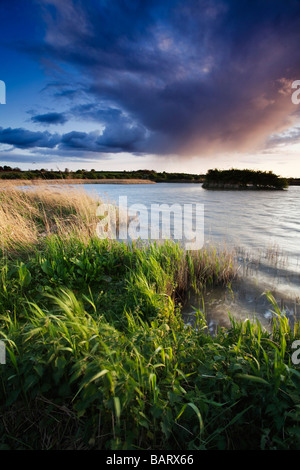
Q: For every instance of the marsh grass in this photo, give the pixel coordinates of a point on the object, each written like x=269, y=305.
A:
x=98, y=356
x=28, y=216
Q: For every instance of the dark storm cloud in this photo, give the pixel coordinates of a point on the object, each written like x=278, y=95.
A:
x=119, y=131
x=179, y=76
x=50, y=118
x=25, y=139
x=115, y=138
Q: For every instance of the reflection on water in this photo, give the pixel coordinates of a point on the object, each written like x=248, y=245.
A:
x=245, y=298
x=262, y=226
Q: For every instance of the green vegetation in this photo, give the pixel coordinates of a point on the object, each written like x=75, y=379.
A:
x=294, y=181
x=243, y=179
x=8, y=173
x=98, y=356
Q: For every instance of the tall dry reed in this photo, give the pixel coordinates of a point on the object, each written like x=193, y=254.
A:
x=27, y=216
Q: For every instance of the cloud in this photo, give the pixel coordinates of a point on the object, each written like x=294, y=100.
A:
x=114, y=139
x=26, y=139
x=80, y=141
x=290, y=137
x=185, y=77
x=120, y=132
x=122, y=137
x=50, y=118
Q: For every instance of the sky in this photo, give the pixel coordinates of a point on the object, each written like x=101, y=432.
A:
x=169, y=85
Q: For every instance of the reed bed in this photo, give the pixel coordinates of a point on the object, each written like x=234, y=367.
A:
x=28, y=216
x=98, y=356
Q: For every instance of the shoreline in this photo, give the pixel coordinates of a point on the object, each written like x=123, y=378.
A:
x=36, y=182
x=74, y=181
x=238, y=187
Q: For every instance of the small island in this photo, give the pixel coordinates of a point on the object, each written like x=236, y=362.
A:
x=244, y=180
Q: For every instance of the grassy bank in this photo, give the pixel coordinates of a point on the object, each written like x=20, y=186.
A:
x=97, y=353
x=7, y=183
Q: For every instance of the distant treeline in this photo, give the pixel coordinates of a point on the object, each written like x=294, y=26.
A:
x=294, y=181
x=234, y=177
x=6, y=172
x=244, y=179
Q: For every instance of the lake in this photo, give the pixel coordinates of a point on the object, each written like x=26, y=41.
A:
x=262, y=226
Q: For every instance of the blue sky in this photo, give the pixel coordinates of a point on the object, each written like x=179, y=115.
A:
x=175, y=85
